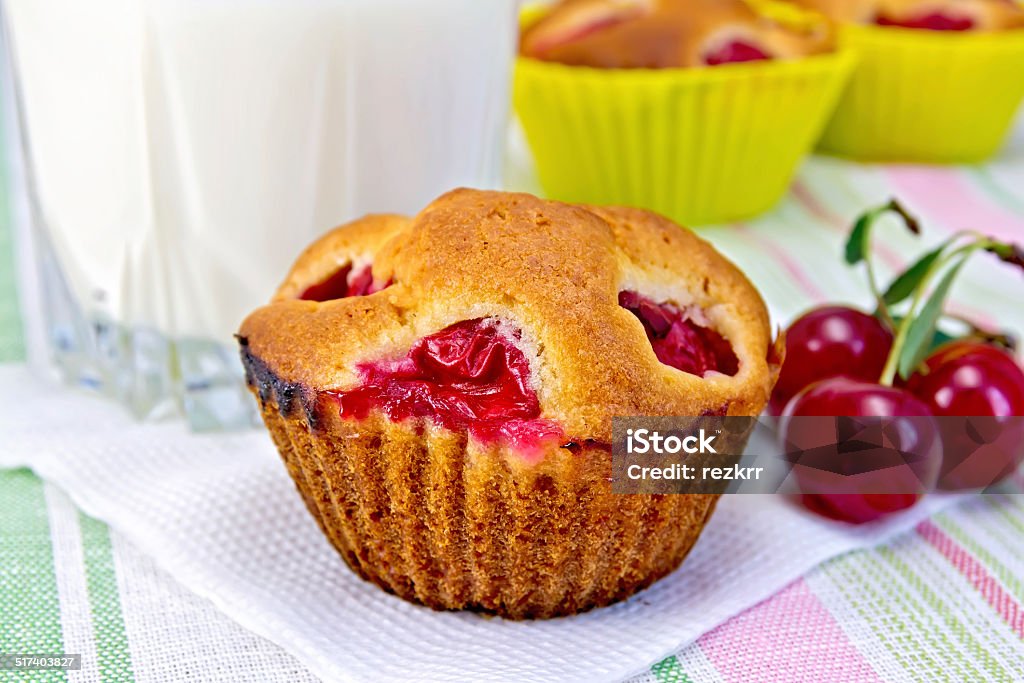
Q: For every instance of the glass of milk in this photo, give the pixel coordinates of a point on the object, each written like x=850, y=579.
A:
x=179, y=154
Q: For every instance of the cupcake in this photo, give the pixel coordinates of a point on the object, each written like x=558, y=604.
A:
x=931, y=15
x=698, y=109
x=665, y=34
x=441, y=390
x=937, y=80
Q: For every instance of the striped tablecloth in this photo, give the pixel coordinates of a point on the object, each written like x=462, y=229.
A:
x=942, y=603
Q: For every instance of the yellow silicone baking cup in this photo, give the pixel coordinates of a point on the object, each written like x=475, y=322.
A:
x=701, y=145
x=927, y=96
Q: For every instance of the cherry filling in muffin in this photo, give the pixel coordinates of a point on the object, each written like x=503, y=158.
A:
x=678, y=340
x=468, y=377
x=735, y=51
x=932, y=21
x=344, y=283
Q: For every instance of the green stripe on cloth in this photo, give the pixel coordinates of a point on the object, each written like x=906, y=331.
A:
x=896, y=630
x=1000, y=530
x=670, y=671
x=29, y=603
x=983, y=176
x=1007, y=576
x=12, y=338
x=1007, y=511
x=114, y=657
x=978, y=651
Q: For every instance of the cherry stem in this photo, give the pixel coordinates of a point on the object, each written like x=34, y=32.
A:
x=961, y=253
x=915, y=332
x=1003, y=338
x=863, y=230
x=882, y=308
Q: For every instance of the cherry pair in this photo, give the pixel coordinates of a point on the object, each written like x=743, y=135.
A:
x=947, y=406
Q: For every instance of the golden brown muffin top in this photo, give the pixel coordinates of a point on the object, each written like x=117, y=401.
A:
x=978, y=15
x=671, y=33
x=554, y=272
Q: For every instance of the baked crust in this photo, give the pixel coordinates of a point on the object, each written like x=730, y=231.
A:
x=988, y=15
x=554, y=271
x=667, y=33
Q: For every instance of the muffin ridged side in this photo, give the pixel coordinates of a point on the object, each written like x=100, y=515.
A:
x=436, y=519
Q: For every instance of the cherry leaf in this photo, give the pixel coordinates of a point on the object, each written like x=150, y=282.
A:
x=907, y=282
x=858, y=246
x=942, y=335
x=923, y=329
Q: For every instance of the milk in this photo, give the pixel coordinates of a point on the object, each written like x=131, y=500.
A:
x=181, y=153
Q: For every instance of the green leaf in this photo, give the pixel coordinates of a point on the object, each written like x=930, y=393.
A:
x=922, y=330
x=858, y=246
x=906, y=283
x=940, y=338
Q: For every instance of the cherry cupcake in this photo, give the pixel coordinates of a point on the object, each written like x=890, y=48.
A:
x=441, y=390
x=698, y=109
x=937, y=80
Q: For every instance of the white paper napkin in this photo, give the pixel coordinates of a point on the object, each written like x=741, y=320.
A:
x=221, y=515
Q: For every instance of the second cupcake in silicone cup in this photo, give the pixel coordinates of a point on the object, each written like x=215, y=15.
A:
x=937, y=80
x=698, y=109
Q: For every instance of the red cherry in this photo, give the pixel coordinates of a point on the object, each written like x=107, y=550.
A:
x=470, y=376
x=977, y=391
x=832, y=341
x=860, y=451
x=344, y=283
x=678, y=340
x=932, y=21
x=361, y=283
x=734, y=52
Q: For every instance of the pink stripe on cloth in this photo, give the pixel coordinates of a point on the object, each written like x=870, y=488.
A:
x=837, y=223
x=891, y=258
x=790, y=637
x=789, y=263
x=975, y=572
x=974, y=314
x=947, y=196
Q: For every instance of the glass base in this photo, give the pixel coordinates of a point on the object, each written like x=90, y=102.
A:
x=154, y=376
